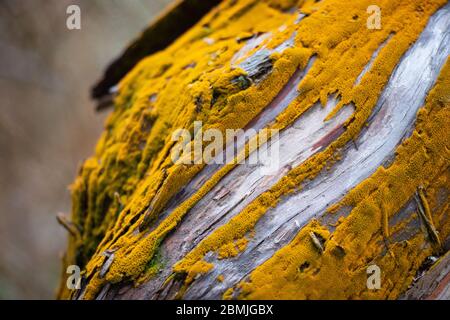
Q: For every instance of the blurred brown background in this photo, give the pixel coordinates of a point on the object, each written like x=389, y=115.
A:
x=48, y=124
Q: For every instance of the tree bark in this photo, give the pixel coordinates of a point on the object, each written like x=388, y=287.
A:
x=361, y=175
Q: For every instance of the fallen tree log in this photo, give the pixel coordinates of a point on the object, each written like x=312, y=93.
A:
x=362, y=168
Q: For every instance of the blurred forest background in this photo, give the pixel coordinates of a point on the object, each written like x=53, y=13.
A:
x=48, y=125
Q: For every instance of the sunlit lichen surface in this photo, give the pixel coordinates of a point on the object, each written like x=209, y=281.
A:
x=122, y=191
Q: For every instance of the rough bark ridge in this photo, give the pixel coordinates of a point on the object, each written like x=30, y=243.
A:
x=363, y=175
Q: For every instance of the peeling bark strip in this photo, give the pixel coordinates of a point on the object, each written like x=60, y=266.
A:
x=434, y=284
x=354, y=146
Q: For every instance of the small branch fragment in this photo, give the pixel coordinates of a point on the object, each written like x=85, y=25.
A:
x=102, y=294
x=425, y=215
x=64, y=221
x=110, y=258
